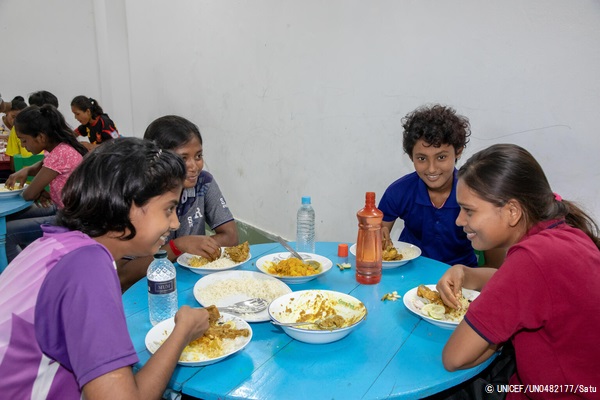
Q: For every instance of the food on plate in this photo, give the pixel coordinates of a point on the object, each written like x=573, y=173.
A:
x=390, y=253
x=322, y=309
x=219, y=339
x=4, y=188
x=229, y=257
x=238, y=253
x=292, y=267
x=430, y=303
x=248, y=287
x=201, y=262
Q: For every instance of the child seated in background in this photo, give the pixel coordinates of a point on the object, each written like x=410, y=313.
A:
x=95, y=124
x=63, y=333
x=544, y=298
x=201, y=201
x=14, y=146
x=434, y=139
x=41, y=129
x=6, y=129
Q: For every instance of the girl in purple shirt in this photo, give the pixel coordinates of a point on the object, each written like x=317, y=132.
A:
x=63, y=333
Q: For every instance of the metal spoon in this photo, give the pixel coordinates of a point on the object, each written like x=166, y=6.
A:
x=321, y=323
x=315, y=264
x=248, y=306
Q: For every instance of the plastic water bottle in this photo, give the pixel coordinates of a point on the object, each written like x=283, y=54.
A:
x=162, y=288
x=305, y=227
x=368, y=243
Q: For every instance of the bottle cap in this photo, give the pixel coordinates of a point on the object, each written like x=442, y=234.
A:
x=160, y=254
x=305, y=199
x=342, y=250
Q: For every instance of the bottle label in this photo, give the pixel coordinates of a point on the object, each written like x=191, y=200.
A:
x=161, y=287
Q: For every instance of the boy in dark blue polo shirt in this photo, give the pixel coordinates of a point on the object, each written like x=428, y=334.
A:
x=434, y=139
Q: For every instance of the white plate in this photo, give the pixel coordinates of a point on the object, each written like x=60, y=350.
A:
x=325, y=262
x=10, y=193
x=184, y=259
x=409, y=251
x=411, y=296
x=230, y=289
x=161, y=331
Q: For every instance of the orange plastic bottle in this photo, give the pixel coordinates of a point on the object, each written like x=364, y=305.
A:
x=368, y=244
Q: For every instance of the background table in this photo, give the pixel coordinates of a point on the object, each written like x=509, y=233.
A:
x=8, y=206
x=393, y=354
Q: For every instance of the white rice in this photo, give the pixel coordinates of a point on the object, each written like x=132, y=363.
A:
x=219, y=263
x=251, y=287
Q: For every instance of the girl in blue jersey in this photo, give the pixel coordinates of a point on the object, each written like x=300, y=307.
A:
x=425, y=200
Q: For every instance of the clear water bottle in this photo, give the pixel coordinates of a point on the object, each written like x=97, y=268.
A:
x=162, y=288
x=305, y=227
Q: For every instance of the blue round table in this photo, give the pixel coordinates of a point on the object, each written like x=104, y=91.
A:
x=393, y=354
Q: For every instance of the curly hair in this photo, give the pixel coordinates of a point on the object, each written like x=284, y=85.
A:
x=437, y=125
x=118, y=174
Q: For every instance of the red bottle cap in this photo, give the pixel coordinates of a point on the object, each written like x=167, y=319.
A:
x=342, y=250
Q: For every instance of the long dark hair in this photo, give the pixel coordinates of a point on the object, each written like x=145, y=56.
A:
x=118, y=174
x=172, y=131
x=34, y=120
x=87, y=103
x=506, y=171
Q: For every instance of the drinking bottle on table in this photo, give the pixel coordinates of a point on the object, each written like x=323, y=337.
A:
x=368, y=243
x=162, y=288
x=305, y=227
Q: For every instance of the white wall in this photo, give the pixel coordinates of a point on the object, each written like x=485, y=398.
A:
x=306, y=98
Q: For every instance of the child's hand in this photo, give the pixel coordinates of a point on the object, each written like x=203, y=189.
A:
x=16, y=180
x=450, y=285
x=385, y=238
x=203, y=246
x=194, y=321
x=44, y=200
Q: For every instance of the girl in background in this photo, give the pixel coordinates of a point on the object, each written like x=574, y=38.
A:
x=95, y=124
x=41, y=129
x=61, y=299
x=14, y=146
x=202, y=202
x=544, y=298
x=9, y=136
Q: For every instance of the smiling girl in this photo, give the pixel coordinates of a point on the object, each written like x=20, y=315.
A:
x=434, y=138
x=63, y=333
x=544, y=298
x=201, y=204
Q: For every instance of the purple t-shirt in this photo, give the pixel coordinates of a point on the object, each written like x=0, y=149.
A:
x=62, y=322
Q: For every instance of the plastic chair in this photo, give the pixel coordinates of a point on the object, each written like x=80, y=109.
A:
x=19, y=162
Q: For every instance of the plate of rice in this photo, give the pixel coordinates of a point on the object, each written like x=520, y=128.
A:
x=228, y=260
x=6, y=192
x=228, y=287
x=427, y=307
x=229, y=335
